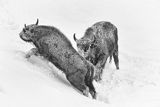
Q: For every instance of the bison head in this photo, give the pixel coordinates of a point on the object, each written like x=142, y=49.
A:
x=93, y=52
x=27, y=34
x=83, y=45
x=87, y=48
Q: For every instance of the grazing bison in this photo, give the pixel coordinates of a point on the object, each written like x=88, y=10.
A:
x=99, y=42
x=55, y=47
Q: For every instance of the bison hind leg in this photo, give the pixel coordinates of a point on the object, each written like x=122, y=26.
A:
x=116, y=59
x=77, y=81
x=89, y=81
x=115, y=53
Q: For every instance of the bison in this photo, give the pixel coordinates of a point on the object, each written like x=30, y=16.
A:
x=99, y=42
x=53, y=45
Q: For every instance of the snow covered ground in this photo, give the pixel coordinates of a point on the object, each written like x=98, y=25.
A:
x=36, y=83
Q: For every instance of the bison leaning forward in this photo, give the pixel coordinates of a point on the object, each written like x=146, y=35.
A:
x=99, y=42
x=54, y=46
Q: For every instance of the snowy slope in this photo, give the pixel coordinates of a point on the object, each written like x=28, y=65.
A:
x=35, y=82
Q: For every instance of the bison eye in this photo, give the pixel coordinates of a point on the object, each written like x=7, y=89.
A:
x=86, y=48
x=31, y=30
x=92, y=46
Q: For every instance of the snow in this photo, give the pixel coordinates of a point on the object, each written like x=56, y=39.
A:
x=36, y=82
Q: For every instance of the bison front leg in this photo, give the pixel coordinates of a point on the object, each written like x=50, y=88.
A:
x=100, y=66
x=33, y=51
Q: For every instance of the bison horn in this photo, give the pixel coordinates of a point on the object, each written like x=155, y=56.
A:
x=74, y=36
x=25, y=25
x=93, y=39
x=24, y=30
x=37, y=21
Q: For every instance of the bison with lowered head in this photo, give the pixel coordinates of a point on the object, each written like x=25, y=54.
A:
x=53, y=45
x=99, y=42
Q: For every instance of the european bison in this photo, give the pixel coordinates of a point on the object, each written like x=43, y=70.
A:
x=53, y=45
x=99, y=42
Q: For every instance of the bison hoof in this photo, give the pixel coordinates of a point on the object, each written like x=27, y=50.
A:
x=117, y=68
x=27, y=56
x=86, y=92
x=95, y=96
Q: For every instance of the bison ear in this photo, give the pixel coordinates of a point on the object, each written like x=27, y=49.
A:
x=37, y=21
x=74, y=36
x=93, y=39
